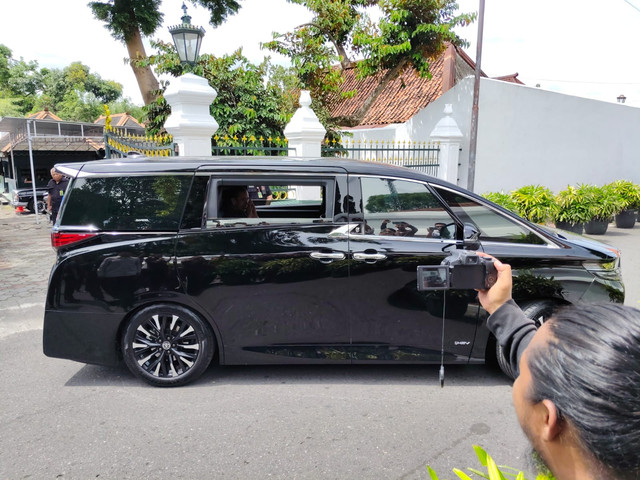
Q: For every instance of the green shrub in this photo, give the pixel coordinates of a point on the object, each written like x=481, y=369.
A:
x=535, y=203
x=602, y=202
x=502, y=199
x=628, y=191
x=571, y=207
x=494, y=472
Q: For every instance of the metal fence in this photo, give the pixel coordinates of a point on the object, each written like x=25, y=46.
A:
x=421, y=156
x=249, y=146
x=118, y=144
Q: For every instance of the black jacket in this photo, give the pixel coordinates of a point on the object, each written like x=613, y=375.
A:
x=513, y=330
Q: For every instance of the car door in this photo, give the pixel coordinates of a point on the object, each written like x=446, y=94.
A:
x=405, y=225
x=274, y=286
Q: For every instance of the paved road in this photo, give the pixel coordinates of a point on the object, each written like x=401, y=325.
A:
x=26, y=258
x=61, y=419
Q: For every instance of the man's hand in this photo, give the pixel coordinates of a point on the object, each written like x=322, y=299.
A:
x=500, y=293
x=251, y=210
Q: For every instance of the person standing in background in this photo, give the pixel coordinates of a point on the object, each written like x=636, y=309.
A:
x=56, y=188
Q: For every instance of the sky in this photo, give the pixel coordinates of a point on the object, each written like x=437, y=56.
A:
x=586, y=48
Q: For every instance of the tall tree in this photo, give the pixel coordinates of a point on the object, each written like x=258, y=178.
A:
x=73, y=92
x=407, y=35
x=252, y=99
x=20, y=83
x=129, y=20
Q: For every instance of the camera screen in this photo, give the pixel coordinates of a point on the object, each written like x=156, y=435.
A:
x=468, y=276
x=433, y=277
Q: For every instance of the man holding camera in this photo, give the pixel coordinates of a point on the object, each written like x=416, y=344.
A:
x=577, y=394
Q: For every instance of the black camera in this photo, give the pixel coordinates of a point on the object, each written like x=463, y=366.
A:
x=461, y=270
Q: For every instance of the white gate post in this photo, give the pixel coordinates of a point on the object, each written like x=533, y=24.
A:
x=449, y=136
x=190, y=122
x=305, y=132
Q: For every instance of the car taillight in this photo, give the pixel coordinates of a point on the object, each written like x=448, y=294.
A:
x=61, y=239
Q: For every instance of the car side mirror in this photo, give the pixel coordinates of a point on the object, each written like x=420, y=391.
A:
x=471, y=239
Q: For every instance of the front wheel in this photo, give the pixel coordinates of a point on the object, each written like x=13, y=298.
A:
x=42, y=206
x=167, y=345
x=537, y=310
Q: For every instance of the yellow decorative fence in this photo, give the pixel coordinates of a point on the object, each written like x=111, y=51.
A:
x=119, y=144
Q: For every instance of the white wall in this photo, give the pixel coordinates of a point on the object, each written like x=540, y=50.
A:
x=528, y=136
x=531, y=136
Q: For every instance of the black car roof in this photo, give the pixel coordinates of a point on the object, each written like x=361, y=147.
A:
x=274, y=164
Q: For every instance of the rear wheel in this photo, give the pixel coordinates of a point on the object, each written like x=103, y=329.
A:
x=537, y=310
x=167, y=345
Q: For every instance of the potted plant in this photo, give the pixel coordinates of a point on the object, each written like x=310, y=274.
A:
x=572, y=210
x=535, y=203
x=502, y=199
x=602, y=204
x=630, y=194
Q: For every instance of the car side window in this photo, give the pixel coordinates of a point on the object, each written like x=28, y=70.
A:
x=127, y=203
x=246, y=201
x=492, y=225
x=402, y=208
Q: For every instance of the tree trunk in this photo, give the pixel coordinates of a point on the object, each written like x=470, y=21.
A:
x=147, y=81
x=345, y=61
x=356, y=118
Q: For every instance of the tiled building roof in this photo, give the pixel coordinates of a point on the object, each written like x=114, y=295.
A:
x=45, y=115
x=513, y=78
x=120, y=120
x=406, y=95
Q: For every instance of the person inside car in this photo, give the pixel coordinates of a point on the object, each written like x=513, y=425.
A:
x=577, y=393
x=235, y=203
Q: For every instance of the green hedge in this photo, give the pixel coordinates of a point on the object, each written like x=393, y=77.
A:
x=574, y=204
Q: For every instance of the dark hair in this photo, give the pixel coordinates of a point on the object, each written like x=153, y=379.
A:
x=590, y=370
x=230, y=192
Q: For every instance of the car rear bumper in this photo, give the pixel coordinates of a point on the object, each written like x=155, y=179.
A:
x=81, y=337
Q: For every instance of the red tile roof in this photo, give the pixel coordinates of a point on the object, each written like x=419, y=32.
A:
x=401, y=99
x=120, y=120
x=405, y=96
x=513, y=78
x=45, y=115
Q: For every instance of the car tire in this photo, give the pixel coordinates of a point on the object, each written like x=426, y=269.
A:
x=167, y=345
x=537, y=310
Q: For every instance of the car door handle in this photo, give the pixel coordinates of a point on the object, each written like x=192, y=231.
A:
x=369, y=257
x=327, y=257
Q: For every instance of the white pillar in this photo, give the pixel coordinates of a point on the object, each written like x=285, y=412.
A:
x=190, y=122
x=449, y=136
x=305, y=132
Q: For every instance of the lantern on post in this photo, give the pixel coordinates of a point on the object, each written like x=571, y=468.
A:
x=190, y=96
x=187, y=39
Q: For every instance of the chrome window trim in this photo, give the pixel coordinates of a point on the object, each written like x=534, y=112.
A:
x=329, y=180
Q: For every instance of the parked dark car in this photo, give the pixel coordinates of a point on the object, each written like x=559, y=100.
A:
x=23, y=198
x=149, y=270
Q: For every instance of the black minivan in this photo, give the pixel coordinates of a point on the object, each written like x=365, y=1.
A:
x=155, y=267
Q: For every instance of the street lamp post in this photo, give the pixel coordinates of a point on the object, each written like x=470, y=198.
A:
x=187, y=39
x=190, y=96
